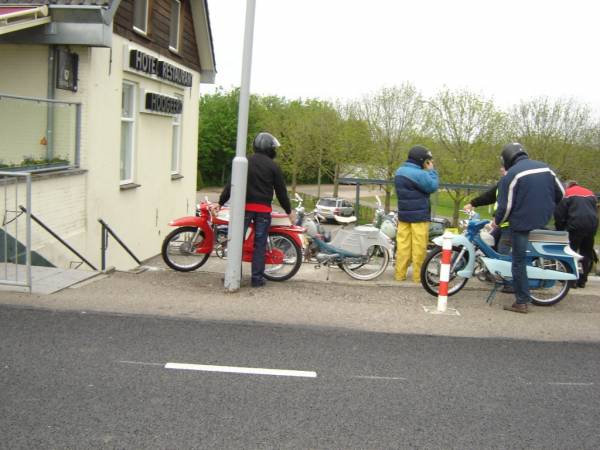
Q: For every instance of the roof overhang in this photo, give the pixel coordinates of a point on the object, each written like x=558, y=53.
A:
x=16, y=18
x=70, y=25
x=208, y=67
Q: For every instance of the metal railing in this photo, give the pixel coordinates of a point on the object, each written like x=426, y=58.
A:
x=106, y=230
x=15, y=258
x=57, y=237
x=39, y=134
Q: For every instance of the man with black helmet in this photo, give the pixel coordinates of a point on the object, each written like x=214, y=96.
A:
x=415, y=181
x=264, y=177
x=527, y=197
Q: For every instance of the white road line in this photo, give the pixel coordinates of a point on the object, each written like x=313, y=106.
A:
x=373, y=377
x=557, y=383
x=140, y=363
x=242, y=370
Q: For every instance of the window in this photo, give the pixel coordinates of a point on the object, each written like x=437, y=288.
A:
x=140, y=16
x=175, y=21
x=176, y=143
x=127, y=131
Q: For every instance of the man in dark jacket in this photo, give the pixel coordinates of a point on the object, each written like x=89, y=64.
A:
x=264, y=177
x=527, y=197
x=578, y=214
x=415, y=181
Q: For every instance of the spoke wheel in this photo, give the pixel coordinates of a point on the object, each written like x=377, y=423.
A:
x=374, y=264
x=431, y=268
x=549, y=292
x=179, y=249
x=292, y=257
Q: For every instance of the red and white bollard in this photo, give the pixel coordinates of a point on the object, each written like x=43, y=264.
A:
x=442, y=303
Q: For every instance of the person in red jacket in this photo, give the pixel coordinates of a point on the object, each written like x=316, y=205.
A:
x=578, y=214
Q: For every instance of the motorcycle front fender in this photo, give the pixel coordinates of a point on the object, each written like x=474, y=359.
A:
x=188, y=221
x=459, y=240
x=385, y=241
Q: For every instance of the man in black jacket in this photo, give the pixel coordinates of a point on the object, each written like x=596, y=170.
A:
x=578, y=214
x=527, y=197
x=264, y=177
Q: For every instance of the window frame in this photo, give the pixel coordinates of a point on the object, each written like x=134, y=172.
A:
x=145, y=32
x=129, y=179
x=178, y=31
x=177, y=122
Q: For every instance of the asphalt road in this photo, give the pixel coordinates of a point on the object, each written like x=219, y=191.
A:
x=89, y=380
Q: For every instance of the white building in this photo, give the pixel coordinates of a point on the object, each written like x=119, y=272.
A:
x=123, y=146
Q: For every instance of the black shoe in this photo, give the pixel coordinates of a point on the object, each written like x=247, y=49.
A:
x=508, y=289
x=580, y=284
x=259, y=283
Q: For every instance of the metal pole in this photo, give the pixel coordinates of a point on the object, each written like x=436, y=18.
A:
x=239, y=169
x=28, y=231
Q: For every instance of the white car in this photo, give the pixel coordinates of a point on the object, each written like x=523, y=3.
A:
x=328, y=207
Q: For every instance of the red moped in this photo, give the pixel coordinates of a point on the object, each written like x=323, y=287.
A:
x=189, y=246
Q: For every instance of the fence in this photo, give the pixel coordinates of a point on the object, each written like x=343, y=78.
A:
x=15, y=257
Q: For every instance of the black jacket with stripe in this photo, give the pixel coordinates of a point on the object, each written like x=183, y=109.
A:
x=528, y=195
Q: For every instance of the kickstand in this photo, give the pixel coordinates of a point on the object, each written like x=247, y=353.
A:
x=328, y=269
x=492, y=295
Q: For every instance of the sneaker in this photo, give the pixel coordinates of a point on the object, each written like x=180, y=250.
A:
x=580, y=284
x=259, y=283
x=517, y=307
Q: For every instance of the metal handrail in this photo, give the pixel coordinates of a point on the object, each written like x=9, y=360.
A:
x=104, y=244
x=38, y=99
x=61, y=240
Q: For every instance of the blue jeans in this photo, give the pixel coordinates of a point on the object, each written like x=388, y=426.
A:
x=504, y=241
x=520, y=240
x=262, y=222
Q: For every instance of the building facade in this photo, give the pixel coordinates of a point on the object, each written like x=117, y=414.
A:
x=101, y=104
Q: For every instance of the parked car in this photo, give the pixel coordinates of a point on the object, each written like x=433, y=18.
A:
x=327, y=207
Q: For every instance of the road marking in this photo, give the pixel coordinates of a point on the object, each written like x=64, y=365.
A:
x=140, y=363
x=242, y=370
x=373, y=377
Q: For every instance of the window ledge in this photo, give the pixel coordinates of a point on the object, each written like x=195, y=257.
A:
x=176, y=176
x=127, y=186
x=56, y=174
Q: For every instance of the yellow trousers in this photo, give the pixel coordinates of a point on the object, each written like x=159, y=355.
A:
x=411, y=246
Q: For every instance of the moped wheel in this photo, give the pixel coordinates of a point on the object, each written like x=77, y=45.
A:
x=549, y=292
x=221, y=244
x=292, y=258
x=377, y=261
x=431, y=268
x=179, y=249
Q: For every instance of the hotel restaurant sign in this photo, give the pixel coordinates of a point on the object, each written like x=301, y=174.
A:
x=153, y=67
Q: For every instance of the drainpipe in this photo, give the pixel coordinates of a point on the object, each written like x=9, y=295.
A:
x=50, y=105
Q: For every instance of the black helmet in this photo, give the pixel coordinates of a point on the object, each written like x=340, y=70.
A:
x=419, y=154
x=510, y=152
x=266, y=143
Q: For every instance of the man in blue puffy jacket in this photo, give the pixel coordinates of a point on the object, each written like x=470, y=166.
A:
x=415, y=181
x=527, y=197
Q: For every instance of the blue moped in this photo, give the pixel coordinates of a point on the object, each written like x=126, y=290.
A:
x=551, y=263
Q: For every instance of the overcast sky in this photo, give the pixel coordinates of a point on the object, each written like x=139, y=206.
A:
x=506, y=50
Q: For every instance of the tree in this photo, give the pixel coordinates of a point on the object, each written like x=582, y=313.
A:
x=394, y=119
x=560, y=133
x=467, y=129
x=217, y=134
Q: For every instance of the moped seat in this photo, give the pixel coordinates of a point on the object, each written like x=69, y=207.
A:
x=561, y=237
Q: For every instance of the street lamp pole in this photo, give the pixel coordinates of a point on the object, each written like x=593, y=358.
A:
x=239, y=169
